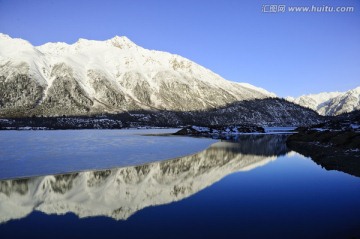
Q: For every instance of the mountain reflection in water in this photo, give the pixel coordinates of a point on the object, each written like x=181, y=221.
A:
x=120, y=192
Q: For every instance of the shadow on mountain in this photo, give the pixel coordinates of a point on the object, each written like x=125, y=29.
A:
x=268, y=111
x=120, y=192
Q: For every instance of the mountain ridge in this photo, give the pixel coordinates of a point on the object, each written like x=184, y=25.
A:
x=115, y=72
x=115, y=76
x=330, y=103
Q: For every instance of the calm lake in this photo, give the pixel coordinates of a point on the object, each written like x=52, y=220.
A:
x=126, y=184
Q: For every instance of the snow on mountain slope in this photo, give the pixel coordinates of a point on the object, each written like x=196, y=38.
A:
x=314, y=101
x=344, y=103
x=107, y=76
x=330, y=103
x=119, y=193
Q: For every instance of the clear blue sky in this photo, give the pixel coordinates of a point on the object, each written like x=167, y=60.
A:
x=286, y=53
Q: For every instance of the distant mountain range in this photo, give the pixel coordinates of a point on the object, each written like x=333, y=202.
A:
x=115, y=76
x=330, y=103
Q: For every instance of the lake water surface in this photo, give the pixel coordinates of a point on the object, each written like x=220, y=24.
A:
x=252, y=188
x=32, y=153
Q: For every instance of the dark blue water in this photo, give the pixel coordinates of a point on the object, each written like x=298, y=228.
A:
x=254, y=188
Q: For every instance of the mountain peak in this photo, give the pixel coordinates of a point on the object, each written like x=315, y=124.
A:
x=4, y=36
x=120, y=38
x=121, y=42
x=83, y=41
x=355, y=90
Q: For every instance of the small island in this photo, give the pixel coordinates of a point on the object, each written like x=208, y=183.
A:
x=221, y=132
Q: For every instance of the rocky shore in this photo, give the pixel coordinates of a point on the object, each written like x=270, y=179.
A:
x=335, y=145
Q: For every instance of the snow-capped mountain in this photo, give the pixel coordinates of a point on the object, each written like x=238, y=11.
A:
x=119, y=193
x=330, y=103
x=108, y=76
x=117, y=76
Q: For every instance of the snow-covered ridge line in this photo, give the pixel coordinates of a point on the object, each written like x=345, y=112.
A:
x=114, y=75
x=330, y=103
x=79, y=51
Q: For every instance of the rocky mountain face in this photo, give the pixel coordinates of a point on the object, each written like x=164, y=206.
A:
x=332, y=103
x=119, y=193
x=264, y=112
x=117, y=76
